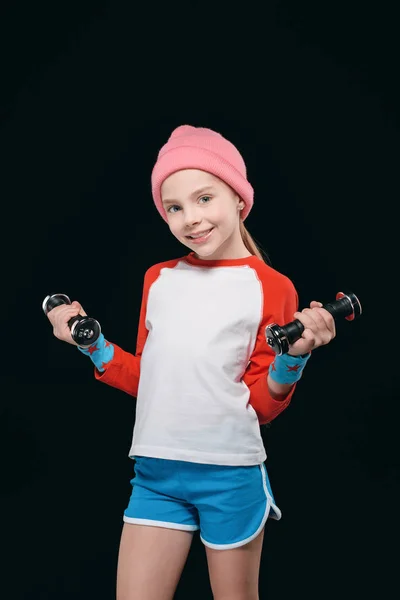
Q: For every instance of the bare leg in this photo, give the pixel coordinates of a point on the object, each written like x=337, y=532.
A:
x=234, y=573
x=150, y=561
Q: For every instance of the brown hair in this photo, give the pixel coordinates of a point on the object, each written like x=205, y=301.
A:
x=251, y=245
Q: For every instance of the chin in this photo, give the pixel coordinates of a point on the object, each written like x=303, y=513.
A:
x=203, y=253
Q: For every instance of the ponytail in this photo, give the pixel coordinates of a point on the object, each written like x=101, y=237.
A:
x=251, y=245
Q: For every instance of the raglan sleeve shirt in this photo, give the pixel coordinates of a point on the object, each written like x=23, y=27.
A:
x=123, y=370
x=280, y=302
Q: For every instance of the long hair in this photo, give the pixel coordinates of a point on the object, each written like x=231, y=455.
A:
x=251, y=245
x=257, y=250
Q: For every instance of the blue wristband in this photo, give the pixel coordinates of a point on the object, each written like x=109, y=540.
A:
x=287, y=369
x=100, y=353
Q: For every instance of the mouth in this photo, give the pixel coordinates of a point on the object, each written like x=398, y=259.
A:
x=200, y=237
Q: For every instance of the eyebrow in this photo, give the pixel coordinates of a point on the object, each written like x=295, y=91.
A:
x=192, y=195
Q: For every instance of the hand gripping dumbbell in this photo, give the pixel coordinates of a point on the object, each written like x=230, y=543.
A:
x=84, y=330
x=278, y=338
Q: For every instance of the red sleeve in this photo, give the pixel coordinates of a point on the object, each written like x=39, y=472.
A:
x=123, y=371
x=280, y=302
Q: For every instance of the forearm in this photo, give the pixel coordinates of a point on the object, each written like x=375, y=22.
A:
x=114, y=366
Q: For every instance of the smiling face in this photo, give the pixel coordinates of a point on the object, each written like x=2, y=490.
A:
x=203, y=214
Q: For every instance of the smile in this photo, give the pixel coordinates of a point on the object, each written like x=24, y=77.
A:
x=201, y=237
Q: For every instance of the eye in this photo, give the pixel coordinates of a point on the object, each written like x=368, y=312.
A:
x=207, y=198
x=170, y=207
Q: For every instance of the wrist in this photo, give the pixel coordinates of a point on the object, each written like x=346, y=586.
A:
x=100, y=353
x=287, y=369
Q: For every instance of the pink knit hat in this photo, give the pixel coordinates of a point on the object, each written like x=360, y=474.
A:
x=200, y=148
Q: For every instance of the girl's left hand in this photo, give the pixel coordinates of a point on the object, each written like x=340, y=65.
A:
x=319, y=329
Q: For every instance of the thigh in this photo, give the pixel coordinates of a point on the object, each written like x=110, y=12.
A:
x=234, y=573
x=150, y=562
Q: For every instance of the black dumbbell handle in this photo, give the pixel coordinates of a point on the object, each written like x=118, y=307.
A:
x=279, y=338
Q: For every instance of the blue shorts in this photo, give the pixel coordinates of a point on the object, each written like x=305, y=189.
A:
x=229, y=505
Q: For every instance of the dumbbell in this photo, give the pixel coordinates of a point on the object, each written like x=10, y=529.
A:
x=279, y=338
x=84, y=330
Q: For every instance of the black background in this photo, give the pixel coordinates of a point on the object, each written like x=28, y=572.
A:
x=309, y=92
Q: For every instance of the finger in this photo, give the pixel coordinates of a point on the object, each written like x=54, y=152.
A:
x=54, y=314
x=316, y=338
x=319, y=335
x=310, y=337
x=324, y=322
x=62, y=316
x=310, y=319
x=315, y=304
x=63, y=319
x=328, y=319
x=315, y=328
x=318, y=318
x=79, y=306
x=62, y=308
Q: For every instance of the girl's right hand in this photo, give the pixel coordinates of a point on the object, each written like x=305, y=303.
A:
x=59, y=317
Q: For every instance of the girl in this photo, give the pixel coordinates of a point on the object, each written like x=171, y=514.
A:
x=204, y=378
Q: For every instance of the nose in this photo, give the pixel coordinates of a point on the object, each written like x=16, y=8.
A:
x=191, y=217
